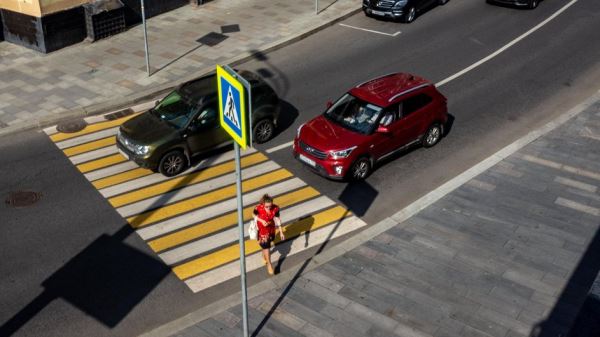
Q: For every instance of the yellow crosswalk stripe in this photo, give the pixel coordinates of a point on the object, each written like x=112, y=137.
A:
x=216, y=224
x=171, y=210
x=87, y=147
x=185, y=180
x=58, y=137
x=232, y=253
x=121, y=177
x=101, y=163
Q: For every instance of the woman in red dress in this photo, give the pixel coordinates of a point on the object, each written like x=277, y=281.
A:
x=266, y=215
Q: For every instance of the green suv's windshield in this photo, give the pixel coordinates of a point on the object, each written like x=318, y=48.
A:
x=354, y=114
x=175, y=109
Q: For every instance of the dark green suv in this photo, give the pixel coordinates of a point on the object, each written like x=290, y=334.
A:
x=186, y=123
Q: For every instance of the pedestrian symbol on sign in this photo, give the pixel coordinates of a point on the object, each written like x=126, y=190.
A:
x=230, y=111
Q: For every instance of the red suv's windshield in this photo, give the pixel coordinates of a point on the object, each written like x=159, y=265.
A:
x=354, y=114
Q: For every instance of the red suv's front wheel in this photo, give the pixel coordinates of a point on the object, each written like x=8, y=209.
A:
x=360, y=169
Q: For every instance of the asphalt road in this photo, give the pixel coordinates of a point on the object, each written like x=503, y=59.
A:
x=73, y=227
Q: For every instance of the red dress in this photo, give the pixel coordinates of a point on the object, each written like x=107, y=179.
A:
x=267, y=215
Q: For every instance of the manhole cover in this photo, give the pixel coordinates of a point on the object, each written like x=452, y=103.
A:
x=22, y=198
x=71, y=126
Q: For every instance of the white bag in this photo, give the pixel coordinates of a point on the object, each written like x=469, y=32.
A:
x=253, y=230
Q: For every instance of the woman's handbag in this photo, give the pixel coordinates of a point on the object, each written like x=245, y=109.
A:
x=253, y=230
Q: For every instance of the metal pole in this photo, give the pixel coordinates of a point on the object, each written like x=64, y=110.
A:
x=240, y=205
x=145, y=37
x=316, y=7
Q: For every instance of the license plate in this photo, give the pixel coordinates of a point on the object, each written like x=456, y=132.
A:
x=378, y=13
x=307, y=160
x=123, y=153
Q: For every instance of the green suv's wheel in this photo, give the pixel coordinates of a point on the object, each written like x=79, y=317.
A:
x=360, y=169
x=172, y=163
x=263, y=131
x=410, y=15
x=432, y=136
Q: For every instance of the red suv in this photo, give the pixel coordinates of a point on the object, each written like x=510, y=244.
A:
x=370, y=122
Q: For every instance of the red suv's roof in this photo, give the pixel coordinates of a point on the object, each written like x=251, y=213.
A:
x=381, y=90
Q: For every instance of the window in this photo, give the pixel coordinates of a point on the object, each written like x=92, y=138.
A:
x=415, y=103
x=354, y=114
x=207, y=117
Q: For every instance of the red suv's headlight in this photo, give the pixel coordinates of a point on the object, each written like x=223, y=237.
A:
x=341, y=153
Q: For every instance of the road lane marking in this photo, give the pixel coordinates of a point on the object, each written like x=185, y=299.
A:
x=370, y=30
x=171, y=196
x=91, y=128
x=147, y=218
x=291, y=247
x=122, y=177
x=94, y=145
x=183, y=181
x=280, y=147
x=577, y=206
x=111, y=170
x=506, y=46
x=214, y=225
x=231, y=253
x=174, y=224
x=101, y=163
x=93, y=155
x=87, y=138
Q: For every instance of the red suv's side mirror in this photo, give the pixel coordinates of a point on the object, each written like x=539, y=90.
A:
x=329, y=104
x=382, y=129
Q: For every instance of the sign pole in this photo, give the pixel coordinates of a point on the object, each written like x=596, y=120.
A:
x=240, y=210
x=145, y=37
x=233, y=114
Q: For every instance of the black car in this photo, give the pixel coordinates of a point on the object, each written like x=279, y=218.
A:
x=531, y=4
x=404, y=10
x=186, y=123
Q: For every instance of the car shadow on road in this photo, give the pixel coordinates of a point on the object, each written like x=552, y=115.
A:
x=566, y=314
x=106, y=280
x=287, y=116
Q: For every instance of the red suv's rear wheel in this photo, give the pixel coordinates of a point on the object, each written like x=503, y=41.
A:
x=432, y=136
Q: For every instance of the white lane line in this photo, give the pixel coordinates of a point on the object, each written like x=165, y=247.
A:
x=370, y=30
x=111, y=170
x=204, y=213
x=130, y=185
x=91, y=155
x=508, y=45
x=231, y=235
x=279, y=147
x=254, y=261
x=87, y=138
x=194, y=190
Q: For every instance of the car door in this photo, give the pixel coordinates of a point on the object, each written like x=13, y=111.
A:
x=413, y=117
x=386, y=142
x=204, y=132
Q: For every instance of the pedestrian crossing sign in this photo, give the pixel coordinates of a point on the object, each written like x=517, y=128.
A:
x=232, y=106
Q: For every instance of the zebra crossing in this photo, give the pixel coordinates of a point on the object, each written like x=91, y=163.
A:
x=190, y=221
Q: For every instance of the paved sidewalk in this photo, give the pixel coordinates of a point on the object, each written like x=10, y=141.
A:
x=510, y=253
x=76, y=80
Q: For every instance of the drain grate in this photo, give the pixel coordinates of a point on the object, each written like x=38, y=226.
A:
x=22, y=199
x=118, y=114
x=71, y=126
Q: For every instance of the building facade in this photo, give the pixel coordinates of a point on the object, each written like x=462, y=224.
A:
x=49, y=25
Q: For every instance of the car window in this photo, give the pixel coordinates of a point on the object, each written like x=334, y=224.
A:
x=175, y=110
x=208, y=117
x=354, y=114
x=388, y=118
x=414, y=103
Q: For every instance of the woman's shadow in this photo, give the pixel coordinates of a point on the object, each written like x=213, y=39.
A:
x=302, y=226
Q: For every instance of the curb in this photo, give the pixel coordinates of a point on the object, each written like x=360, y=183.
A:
x=151, y=93
x=397, y=219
